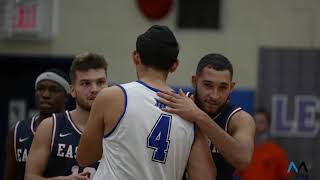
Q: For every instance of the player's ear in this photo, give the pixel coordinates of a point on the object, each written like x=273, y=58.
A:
x=72, y=91
x=174, y=66
x=136, y=57
x=232, y=86
x=194, y=81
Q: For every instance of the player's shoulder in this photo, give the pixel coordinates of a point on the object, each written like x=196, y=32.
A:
x=110, y=92
x=242, y=120
x=110, y=96
x=242, y=115
x=46, y=125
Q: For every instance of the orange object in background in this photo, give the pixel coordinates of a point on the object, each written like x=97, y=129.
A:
x=269, y=161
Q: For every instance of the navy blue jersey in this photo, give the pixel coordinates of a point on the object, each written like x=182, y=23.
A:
x=224, y=169
x=65, y=140
x=23, y=136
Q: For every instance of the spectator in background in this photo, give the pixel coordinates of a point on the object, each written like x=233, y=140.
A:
x=51, y=95
x=54, y=147
x=269, y=160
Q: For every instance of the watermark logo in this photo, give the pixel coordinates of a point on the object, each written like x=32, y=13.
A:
x=293, y=167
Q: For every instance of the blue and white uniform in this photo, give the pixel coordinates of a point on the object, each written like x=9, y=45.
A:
x=146, y=143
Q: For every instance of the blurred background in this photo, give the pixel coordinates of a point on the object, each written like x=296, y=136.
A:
x=274, y=47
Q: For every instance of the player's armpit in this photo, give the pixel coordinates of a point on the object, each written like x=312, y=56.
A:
x=40, y=151
x=200, y=164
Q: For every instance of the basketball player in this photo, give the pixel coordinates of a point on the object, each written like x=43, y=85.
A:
x=51, y=93
x=127, y=128
x=229, y=128
x=53, y=151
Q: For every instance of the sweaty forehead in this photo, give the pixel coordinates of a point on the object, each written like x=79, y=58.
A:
x=91, y=74
x=212, y=75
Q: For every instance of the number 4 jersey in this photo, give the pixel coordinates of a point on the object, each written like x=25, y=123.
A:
x=66, y=137
x=146, y=143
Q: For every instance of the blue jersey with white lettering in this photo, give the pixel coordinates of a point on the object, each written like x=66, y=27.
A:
x=65, y=140
x=23, y=136
x=224, y=169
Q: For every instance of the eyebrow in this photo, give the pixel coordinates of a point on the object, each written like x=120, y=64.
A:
x=98, y=79
x=221, y=83
x=224, y=84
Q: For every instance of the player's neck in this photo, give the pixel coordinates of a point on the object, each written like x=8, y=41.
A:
x=156, y=83
x=41, y=117
x=80, y=117
x=156, y=79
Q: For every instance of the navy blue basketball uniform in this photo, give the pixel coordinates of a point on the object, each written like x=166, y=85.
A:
x=224, y=169
x=23, y=136
x=65, y=140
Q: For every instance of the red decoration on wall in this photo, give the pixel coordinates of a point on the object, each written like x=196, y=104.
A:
x=155, y=9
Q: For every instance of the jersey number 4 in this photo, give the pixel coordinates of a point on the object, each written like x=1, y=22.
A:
x=158, y=139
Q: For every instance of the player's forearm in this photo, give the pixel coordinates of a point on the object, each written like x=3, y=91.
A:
x=85, y=161
x=88, y=151
x=232, y=150
x=38, y=177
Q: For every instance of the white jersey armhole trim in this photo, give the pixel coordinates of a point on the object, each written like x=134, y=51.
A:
x=231, y=114
x=54, y=119
x=123, y=113
x=15, y=140
x=72, y=123
x=31, y=125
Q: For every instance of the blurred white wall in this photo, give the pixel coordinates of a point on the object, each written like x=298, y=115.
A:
x=111, y=27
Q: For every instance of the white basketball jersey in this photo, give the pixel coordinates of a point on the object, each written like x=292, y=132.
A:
x=147, y=143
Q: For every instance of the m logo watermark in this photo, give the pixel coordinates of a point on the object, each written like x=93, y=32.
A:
x=297, y=170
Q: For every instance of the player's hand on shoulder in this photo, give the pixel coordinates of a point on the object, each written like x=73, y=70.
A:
x=179, y=104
